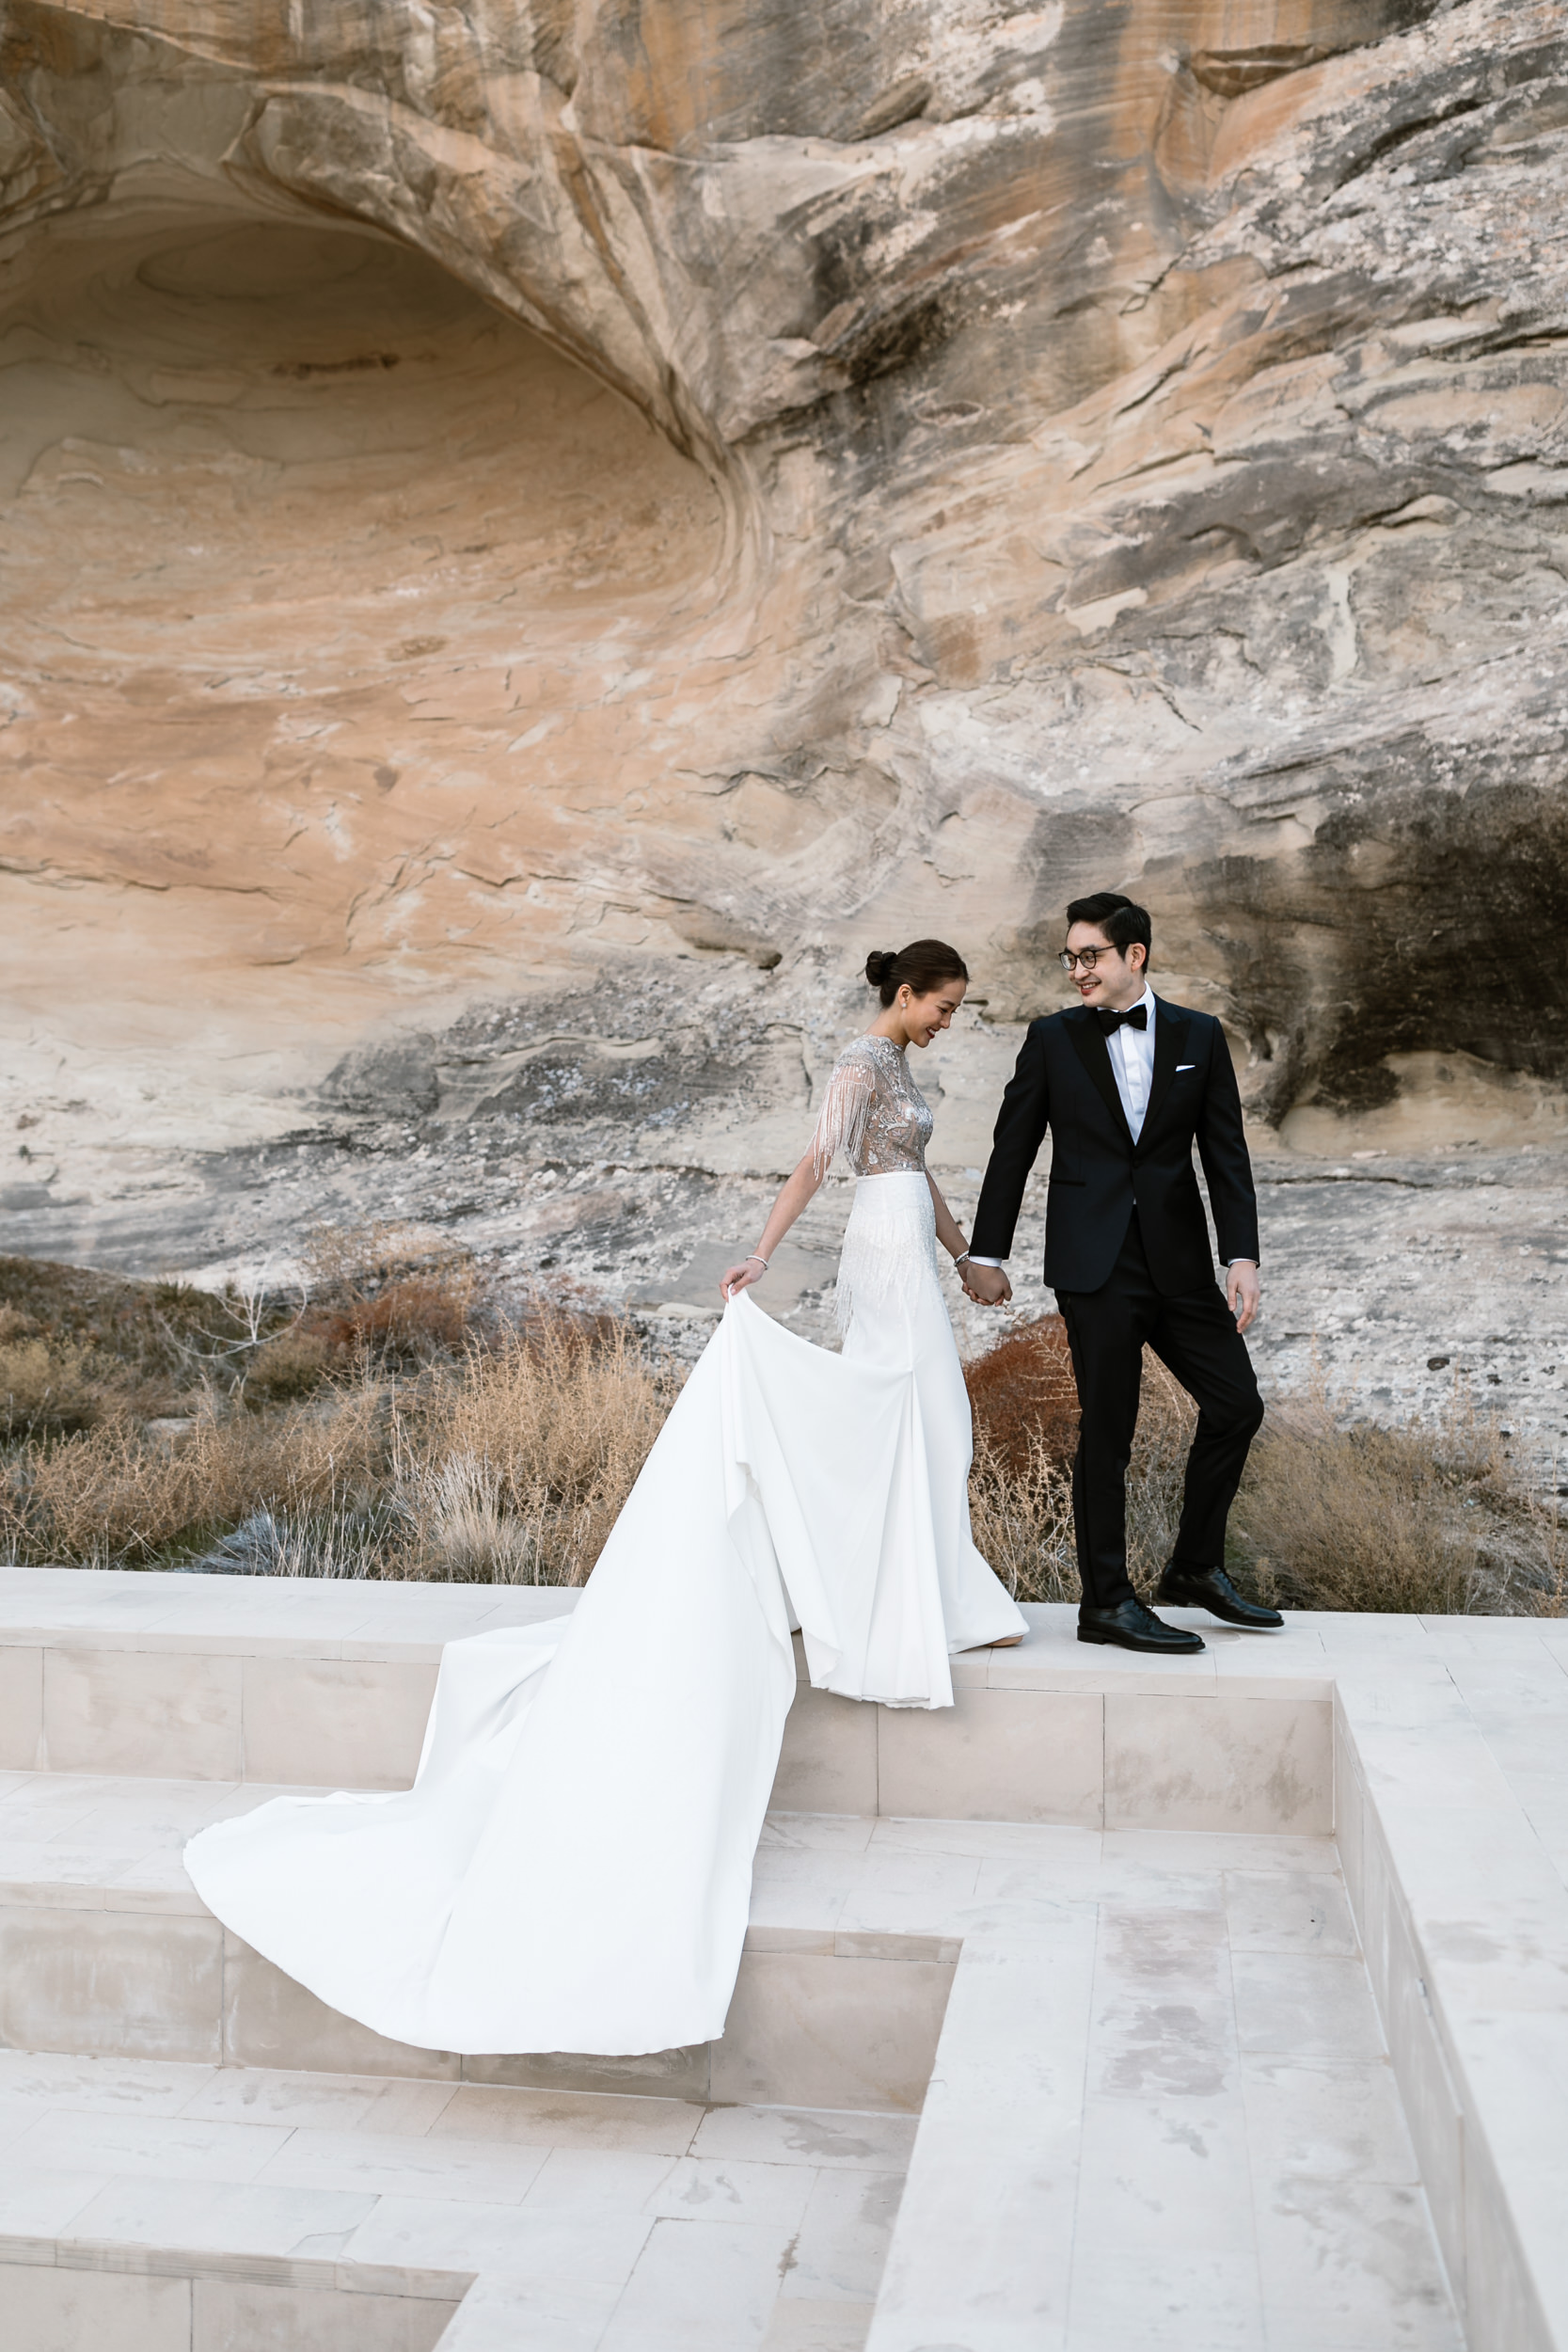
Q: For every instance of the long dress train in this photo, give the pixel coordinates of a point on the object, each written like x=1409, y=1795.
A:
x=571, y=1869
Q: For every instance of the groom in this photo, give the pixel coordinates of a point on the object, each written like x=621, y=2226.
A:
x=1127, y=1084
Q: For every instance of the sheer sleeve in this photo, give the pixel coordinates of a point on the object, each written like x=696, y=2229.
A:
x=845, y=1111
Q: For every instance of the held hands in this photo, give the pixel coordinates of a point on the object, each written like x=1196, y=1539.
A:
x=988, y=1285
x=1242, y=1291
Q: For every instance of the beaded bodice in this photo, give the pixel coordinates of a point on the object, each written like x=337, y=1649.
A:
x=873, y=1112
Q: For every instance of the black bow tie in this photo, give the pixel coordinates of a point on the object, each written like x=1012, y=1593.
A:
x=1111, y=1021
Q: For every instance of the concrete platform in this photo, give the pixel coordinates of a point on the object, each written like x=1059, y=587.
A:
x=1165, y=2049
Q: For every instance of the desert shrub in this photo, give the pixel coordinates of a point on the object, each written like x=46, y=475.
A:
x=47, y=1383
x=1334, y=1512
x=389, y=1294
x=115, y=1496
x=1425, y=1517
x=1023, y=1397
x=79, y=1348
x=509, y=1465
x=117, y=1345
x=1025, y=1409
x=338, y=1541
x=396, y=1426
x=408, y=1319
x=515, y=1469
x=291, y=1365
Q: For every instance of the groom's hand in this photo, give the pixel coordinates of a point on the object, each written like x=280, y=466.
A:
x=1242, y=1291
x=986, y=1285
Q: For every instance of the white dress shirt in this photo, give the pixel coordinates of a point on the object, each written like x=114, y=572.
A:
x=1132, y=1064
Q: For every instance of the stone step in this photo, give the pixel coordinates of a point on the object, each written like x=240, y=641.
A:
x=147, y=2206
x=127, y=2297
x=107, y=1949
x=327, y=1685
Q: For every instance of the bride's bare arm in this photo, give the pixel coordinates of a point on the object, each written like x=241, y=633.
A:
x=794, y=1195
x=948, y=1235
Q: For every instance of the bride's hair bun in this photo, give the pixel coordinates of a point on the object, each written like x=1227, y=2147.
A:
x=921, y=966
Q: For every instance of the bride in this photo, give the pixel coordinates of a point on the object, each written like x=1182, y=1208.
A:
x=572, y=1867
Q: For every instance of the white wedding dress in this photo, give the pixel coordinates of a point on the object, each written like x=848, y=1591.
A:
x=572, y=1867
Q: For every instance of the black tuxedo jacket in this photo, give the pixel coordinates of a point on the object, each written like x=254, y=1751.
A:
x=1064, y=1081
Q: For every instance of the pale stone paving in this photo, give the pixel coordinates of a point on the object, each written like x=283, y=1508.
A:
x=1143, y=2035
x=637, y=2209
x=1207, y=2078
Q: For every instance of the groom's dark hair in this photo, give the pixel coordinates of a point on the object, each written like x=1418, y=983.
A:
x=1123, y=923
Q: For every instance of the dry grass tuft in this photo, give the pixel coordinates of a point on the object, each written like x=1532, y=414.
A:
x=46, y=1382
x=514, y=1469
x=1423, y=1517
x=290, y=1366
x=507, y=1465
x=120, y=1496
x=1021, y=1516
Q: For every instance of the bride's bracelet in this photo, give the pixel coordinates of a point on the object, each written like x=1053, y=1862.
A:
x=754, y=1257
x=961, y=1257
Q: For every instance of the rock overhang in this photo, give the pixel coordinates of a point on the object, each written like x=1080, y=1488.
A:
x=1130, y=452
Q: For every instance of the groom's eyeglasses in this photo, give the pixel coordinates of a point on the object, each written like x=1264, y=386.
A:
x=1087, y=957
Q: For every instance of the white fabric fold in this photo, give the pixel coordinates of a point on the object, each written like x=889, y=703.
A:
x=571, y=1869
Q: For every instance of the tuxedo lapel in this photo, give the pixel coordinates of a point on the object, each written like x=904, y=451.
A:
x=1170, y=1042
x=1089, y=1041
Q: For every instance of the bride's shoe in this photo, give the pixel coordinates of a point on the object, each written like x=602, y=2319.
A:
x=1009, y=1641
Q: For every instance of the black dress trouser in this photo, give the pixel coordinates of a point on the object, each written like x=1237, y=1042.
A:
x=1196, y=1337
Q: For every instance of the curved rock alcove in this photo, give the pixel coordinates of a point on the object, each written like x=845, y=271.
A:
x=325, y=578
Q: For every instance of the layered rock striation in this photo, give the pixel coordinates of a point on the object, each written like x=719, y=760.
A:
x=553, y=506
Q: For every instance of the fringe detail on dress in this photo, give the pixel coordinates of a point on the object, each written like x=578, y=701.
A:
x=890, y=1250
x=845, y=1109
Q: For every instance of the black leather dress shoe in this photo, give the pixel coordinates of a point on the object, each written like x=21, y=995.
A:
x=1185, y=1585
x=1130, y=1626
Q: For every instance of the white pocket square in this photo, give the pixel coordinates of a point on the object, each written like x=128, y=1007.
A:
x=1184, y=1064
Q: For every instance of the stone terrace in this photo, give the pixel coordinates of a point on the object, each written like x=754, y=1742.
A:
x=1214, y=2003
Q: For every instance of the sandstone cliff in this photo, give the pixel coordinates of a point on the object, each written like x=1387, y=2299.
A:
x=488, y=487
x=560, y=523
